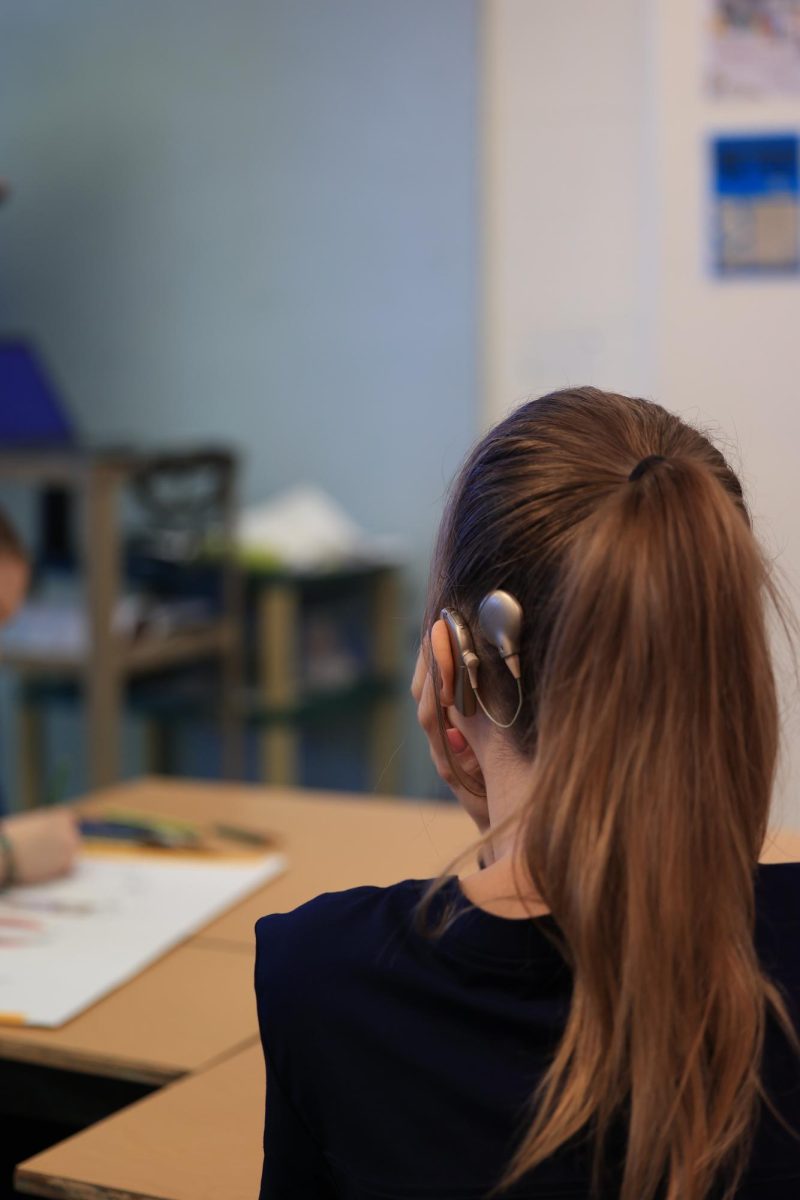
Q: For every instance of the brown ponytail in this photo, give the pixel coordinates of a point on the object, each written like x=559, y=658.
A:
x=652, y=732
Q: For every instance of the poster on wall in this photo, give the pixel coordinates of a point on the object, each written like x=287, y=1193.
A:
x=753, y=47
x=756, y=214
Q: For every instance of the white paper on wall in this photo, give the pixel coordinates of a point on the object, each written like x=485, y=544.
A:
x=753, y=48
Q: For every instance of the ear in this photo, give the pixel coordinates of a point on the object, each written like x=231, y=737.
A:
x=443, y=653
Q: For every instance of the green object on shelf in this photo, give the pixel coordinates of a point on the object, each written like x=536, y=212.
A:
x=215, y=549
x=259, y=560
x=270, y=567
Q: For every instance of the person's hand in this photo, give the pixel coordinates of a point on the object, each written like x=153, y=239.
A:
x=43, y=844
x=423, y=691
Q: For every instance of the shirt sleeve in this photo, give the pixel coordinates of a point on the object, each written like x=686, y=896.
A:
x=294, y=1164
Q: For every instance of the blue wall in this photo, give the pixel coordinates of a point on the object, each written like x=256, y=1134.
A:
x=257, y=222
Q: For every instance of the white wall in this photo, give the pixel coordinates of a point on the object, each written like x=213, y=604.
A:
x=595, y=262
x=254, y=221
x=728, y=351
x=564, y=220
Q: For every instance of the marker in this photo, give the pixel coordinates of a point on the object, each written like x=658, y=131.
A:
x=250, y=837
x=147, y=821
x=162, y=838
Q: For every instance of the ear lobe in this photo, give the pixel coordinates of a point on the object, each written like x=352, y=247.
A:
x=443, y=653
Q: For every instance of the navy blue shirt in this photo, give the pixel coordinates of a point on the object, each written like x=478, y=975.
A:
x=401, y=1067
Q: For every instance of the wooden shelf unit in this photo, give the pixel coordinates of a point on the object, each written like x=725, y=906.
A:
x=280, y=704
x=110, y=661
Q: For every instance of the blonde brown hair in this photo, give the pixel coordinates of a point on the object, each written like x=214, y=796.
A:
x=651, y=726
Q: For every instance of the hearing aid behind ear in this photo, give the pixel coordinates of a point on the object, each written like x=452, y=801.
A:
x=463, y=658
x=500, y=621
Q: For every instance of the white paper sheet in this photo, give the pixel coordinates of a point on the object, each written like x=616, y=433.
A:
x=65, y=944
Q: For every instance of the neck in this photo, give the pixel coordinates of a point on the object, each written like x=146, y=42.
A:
x=503, y=886
x=507, y=780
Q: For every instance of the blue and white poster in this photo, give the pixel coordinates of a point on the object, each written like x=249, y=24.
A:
x=756, y=217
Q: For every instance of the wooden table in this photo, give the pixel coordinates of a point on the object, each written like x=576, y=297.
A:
x=180, y=1014
x=200, y=1137
x=194, y=1007
x=195, y=1003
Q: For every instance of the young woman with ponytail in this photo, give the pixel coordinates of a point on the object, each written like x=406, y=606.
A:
x=609, y=1007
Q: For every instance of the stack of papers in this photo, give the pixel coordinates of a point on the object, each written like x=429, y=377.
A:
x=65, y=944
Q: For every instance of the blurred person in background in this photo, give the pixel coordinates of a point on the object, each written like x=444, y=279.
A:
x=41, y=845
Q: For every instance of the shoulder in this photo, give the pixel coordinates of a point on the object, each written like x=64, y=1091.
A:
x=322, y=965
x=298, y=951
x=778, y=890
x=361, y=909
